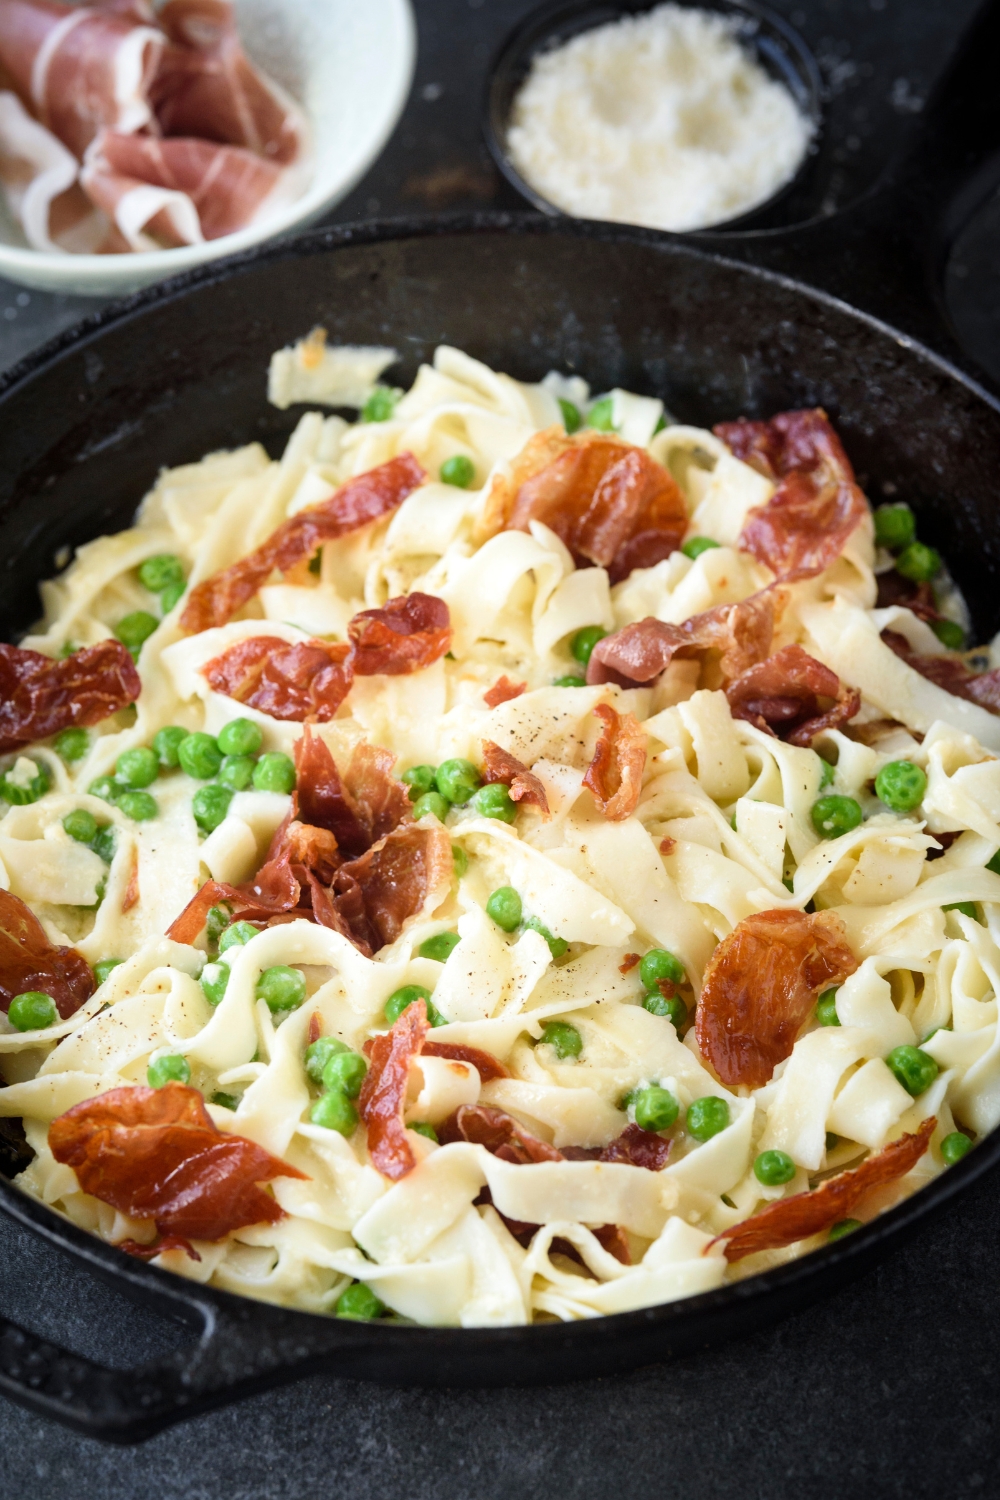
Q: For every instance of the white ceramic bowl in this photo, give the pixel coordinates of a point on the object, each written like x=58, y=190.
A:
x=349, y=62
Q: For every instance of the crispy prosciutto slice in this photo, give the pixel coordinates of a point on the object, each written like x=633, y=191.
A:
x=499, y=1132
x=156, y=1154
x=273, y=891
x=609, y=502
x=782, y=696
x=486, y=1065
x=383, y=1093
x=304, y=680
x=950, y=672
x=499, y=766
x=740, y=634
x=406, y=872
x=40, y=695
x=28, y=961
x=356, y=504
x=805, y=525
x=760, y=987
x=804, y=1214
x=408, y=633
x=503, y=691
x=615, y=773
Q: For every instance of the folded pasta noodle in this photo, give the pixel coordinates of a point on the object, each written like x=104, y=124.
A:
x=475, y=873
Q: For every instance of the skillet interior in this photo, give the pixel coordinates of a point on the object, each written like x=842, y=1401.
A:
x=180, y=370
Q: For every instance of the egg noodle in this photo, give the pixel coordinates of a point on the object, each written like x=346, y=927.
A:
x=722, y=829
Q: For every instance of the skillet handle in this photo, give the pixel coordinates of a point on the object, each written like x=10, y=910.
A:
x=887, y=254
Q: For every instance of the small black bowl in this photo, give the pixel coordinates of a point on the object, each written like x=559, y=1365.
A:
x=777, y=47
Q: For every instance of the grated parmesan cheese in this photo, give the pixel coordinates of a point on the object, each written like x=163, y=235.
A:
x=662, y=120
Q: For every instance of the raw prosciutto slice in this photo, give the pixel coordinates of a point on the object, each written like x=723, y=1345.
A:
x=781, y=696
x=805, y=525
x=309, y=679
x=383, y=1093
x=356, y=504
x=35, y=170
x=156, y=1154
x=609, y=502
x=760, y=987
x=408, y=633
x=950, y=672
x=28, y=961
x=40, y=695
x=615, y=773
x=804, y=1214
x=740, y=633
x=500, y=766
x=181, y=191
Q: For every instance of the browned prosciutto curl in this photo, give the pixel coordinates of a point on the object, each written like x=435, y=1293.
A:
x=503, y=691
x=499, y=766
x=804, y=1214
x=739, y=634
x=28, y=961
x=760, y=987
x=615, y=772
x=408, y=633
x=383, y=1093
x=306, y=680
x=40, y=695
x=816, y=506
x=782, y=696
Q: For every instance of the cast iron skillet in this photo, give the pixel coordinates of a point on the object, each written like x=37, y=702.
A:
x=179, y=370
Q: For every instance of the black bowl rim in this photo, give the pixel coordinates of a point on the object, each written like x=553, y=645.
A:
x=529, y=35
x=210, y=1303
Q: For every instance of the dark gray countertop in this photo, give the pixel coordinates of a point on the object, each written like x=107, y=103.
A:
x=887, y=1389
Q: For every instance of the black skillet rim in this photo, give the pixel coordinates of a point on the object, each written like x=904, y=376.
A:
x=832, y=1264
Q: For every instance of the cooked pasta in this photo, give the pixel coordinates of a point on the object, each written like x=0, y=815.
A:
x=673, y=953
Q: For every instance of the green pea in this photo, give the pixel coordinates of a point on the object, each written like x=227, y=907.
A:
x=563, y=1038
x=504, y=908
x=826, y=1008
x=420, y=780
x=949, y=633
x=967, y=909
x=557, y=945
x=570, y=414
x=105, y=787
x=281, y=988
x=319, y=1053
x=826, y=775
x=954, y=1147
x=460, y=860
x=359, y=1302
x=696, y=545
x=918, y=563
x=167, y=742
x=843, y=1227
x=901, y=785
x=772, y=1168
x=137, y=768
x=380, y=404
x=80, y=825
x=600, y=416
x=400, y=999
x=139, y=806
x=569, y=681
x=67, y=649
x=236, y=935
x=157, y=573
x=226, y=1101
x=334, y=1111
x=236, y=772
x=627, y=1099
x=199, y=756
x=457, y=779
x=660, y=964
x=170, y=1069
x=834, y=815
x=72, y=744
x=914, y=1069
x=106, y=966
x=316, y=562
x=104, y=843
x=707, y=1117
x=495, y=802
x=240, y=737
x=895, y=527
x=345, y=1071
x=439, y=946
x=32, y=1011
x=19, y=793
x=583, y=643
x=218, y=919
x=135, y=629
x=210, y=804
x=458, y=470
x=274, y=772
x=214, y=980
x=172, y=595
x=433, y=803
x=423, y=1128
x=673, y=1009
x=655, y=1108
